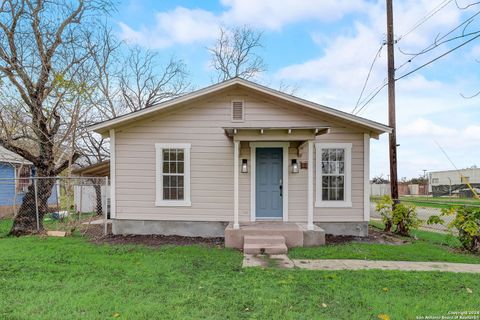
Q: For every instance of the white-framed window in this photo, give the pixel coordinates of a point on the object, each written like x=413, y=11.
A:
x=172, y=174
x=333, y=175
x=238, y=110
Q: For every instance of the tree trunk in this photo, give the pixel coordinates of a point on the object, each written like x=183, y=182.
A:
x=26, y=220
x=98, y=196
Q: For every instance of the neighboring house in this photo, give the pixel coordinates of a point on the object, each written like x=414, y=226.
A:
x=227, y=159
x=454, y=182
x=14, y=174
x=89, y=178
x=15, y=177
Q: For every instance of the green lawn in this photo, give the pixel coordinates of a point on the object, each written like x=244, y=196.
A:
x=425, y=246
x=70, y=278
x=431, y=202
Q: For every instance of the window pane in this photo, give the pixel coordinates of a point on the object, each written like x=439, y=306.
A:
x=340, y=194
x=180, y=181
x=173, y=181
x=165, y=155
x=341, y=167
x=173, y=155
x=332, y=194
x=180, y=194
x=325, y=194
x=331, y=166
x=340, y=180
x=166, y=181
x=166, y=193
x=325, y=167
x=180, y=167
x=173, y=167
x=340, y=155
x=166, y=167
x=324, y=154
x=173, y=194
x=180, y=154
x=332, y=155
x=325, y=182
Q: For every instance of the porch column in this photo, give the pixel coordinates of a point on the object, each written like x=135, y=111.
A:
x=310, y=225
x=236, y=149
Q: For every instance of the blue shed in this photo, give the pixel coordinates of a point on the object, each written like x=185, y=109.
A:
x=15, y=173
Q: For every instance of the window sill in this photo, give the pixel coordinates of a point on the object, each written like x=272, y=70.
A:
x=333, y=204
x=173, y=203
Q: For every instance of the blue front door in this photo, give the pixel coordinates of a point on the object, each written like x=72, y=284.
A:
x=269, y=183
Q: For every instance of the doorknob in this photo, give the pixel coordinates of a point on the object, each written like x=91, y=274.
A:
x=281, y=188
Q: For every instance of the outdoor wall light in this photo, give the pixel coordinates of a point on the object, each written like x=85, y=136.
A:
x=244, y=166
x=295, y=167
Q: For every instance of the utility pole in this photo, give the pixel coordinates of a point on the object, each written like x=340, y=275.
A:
x=391, y=103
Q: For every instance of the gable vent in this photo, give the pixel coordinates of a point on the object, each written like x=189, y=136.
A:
x=237, y=111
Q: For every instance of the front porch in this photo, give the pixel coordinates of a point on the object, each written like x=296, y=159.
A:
x=272, y=236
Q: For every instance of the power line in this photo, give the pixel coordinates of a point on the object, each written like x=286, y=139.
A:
x=437, y=58
x=419, y=23
x=377, y=55
x=376, y=91
x=436, y=43
x=372, y=95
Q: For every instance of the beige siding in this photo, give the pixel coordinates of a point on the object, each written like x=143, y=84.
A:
x=212, y=161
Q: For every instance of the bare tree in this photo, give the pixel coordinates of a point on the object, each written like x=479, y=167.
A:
x=127, y=79
x=42, y=66
x=235, y=53
x=143, y=84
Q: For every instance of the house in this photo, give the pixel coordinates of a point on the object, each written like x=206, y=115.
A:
x=454, y=182
x=91, y=188
x=15, y=177
x=238, y=159
x=14, y=174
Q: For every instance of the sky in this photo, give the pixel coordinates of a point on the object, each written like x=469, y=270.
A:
x=325, y=48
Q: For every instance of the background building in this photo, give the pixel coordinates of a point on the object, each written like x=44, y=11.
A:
x=454, y=182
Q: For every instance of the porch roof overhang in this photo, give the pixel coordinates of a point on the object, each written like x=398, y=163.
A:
x=101, y=169
x=275, y=133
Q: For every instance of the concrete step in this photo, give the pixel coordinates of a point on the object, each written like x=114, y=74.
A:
x=262, y=248
x=263, y=239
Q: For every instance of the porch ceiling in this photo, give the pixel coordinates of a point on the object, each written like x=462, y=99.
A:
x=275, y=133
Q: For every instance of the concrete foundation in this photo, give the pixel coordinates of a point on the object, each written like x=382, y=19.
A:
x=359, y=229
x=296, y=234
x=207, y=229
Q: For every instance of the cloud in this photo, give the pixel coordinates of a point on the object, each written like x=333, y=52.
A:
x=178, y=26
x=274, y=14
x=427, y=127
x=184, y=26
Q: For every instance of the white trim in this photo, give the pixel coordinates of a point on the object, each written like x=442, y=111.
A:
x=103, y=126
x=366, y=177
x=236, y=168
x=253, y=149
x=310, y=225
x=347, y=202
x=113, y=178
x=243, y=110
x=159, y=202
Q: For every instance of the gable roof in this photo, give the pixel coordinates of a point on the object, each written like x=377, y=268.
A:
x=7, y=156
x=376, y=127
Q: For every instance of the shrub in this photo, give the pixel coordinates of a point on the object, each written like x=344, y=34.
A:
x=384, y=209
x=467, y=223
x=402, y=216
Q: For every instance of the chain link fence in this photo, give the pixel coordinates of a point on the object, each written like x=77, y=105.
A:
x=427, y=207
x=55, y=200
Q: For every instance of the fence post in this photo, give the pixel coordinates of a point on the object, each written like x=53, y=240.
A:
x=36, y=203
x=105, y=208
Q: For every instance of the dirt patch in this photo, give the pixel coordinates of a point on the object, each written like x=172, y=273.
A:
x=374, y=236
x=95, y=234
